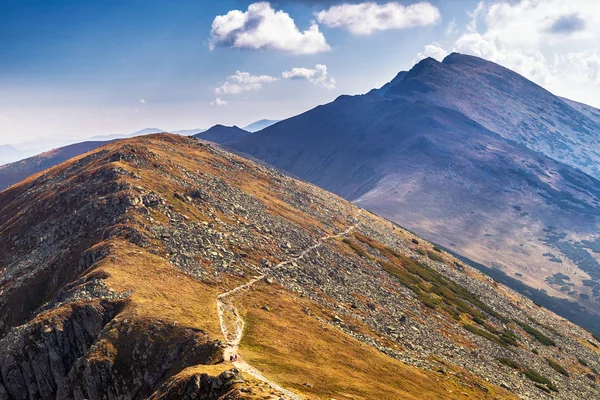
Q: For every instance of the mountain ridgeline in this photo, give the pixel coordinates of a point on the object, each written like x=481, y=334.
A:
x=135, y=270
x=470, y=155
x=19, y=170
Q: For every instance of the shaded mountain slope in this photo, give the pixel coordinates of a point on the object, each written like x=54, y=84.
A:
x=111, y=264
x=591, y=112
x=419, y=151
x=222, y=134
x=19, y=170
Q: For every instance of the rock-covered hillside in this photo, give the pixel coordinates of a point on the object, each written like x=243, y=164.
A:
x=469, y=154
x=129, y=272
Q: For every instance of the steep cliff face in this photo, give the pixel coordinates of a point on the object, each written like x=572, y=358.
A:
x=135, y=271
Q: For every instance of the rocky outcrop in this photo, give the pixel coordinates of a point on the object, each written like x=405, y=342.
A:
x=151, y=353
x=203, y=387
x=37, y=358
x=69, y=353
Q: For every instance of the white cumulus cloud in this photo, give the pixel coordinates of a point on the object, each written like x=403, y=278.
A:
x=318, y=75
x=218, y=102
x=367, y=18
x=243, y=82
x=142, y=101
x=262, y=27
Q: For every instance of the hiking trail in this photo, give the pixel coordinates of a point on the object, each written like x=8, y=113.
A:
x=228, y=314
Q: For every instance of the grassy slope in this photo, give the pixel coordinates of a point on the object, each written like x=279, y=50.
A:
x=294, y=349
x=161, y=292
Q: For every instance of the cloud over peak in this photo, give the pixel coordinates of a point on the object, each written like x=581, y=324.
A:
x=218, y=102
x=263, y=28
x=243, y=82
x=367, y=18
x=433, y=51
x=318, y=76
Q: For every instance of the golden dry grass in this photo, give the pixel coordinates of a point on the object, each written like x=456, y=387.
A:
x=294, y=349
x=160, y=291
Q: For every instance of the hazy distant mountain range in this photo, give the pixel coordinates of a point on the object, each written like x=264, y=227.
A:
x=19, y=170
x=9, y=154
x=147, y=131
x=470, y=155
x=259, y=125
x=14, y=152
x=14, y=167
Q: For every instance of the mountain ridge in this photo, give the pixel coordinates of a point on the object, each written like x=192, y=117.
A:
x=147, y=233
x=17, y=171
x=518, y=123
x=394, y=149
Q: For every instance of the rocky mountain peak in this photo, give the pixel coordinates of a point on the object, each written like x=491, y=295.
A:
x=465, y=59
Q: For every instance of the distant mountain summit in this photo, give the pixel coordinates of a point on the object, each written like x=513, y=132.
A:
x=259, y=125
x=222, y=134
x=469, y=154
x=189, y=132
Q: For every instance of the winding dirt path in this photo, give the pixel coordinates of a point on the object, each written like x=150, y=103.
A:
x=232, y=324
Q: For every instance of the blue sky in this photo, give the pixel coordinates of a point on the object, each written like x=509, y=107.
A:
x=75, y=69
